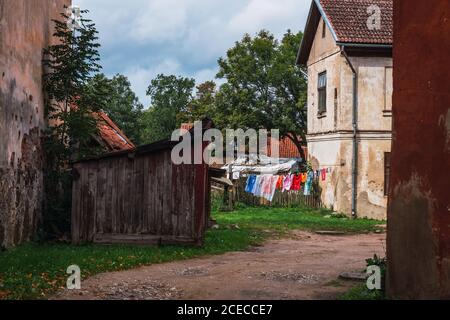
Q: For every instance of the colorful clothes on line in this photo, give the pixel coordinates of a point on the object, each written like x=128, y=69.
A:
x=304, y=176
x=280, y=182
x=296, y=182
x=266, y=185
x=308, y=184
x=269, y=187
x=273, y=188
x=250, y=183
x=258, y=186
x=287, y=182
x=324, y=174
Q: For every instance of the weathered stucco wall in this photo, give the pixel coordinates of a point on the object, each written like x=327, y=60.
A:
x=25, y=29
x=418, y=243
x=330, y=134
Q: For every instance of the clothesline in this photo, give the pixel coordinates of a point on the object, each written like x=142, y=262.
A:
x=266, y=185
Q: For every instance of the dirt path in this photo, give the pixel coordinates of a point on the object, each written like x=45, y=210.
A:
x=305, y=266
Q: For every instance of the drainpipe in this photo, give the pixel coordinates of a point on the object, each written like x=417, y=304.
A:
x=355, y=132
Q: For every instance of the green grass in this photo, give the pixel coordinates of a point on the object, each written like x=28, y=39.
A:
x=361, y=292
x=283, y=220
x=34, y=271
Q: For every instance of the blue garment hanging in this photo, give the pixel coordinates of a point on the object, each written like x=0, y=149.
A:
x=250, y=183
x=308, y=184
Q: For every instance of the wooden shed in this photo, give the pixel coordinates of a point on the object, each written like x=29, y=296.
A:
x=140, y=197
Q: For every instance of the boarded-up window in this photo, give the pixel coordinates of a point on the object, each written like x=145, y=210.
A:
x=388, y=88
x=387, y=172
x=322, y=92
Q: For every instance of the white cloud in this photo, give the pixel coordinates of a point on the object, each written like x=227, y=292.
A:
x=160, y=21
x=140, y=77
x=276, y=16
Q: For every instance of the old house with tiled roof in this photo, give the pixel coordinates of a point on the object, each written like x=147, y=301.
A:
x=347, y=50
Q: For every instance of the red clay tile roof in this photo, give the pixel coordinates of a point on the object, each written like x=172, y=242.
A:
x=287, y=149
x=348, y=18
x=113, y=138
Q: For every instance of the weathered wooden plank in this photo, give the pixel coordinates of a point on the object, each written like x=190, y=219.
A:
x=167, y=194
x=92, y=200
x=84, y=201
x=122, y=194
x=76, y=206
x=101, y=197
x=135, y=239
x=109, y=190
x=145, y=196
x=158, y=196
x=151, y=193
x=129, y=190
x=174, y=201
x=138, y=195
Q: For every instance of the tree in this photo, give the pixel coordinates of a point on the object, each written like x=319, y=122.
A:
x=202, y=105
x=264, y=87
x=70, y=102
x=121, y=104
x=170, y=96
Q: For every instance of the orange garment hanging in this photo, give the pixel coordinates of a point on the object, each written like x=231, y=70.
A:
x=304, y=177
x=280, y=182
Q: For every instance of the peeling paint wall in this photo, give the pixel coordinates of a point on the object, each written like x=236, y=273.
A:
x=418, y=243
x=330, y=134
x=25, y=29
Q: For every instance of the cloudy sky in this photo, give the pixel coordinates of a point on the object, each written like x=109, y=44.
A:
x=141, y=38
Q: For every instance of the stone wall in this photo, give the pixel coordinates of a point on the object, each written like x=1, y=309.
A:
x=25, y=29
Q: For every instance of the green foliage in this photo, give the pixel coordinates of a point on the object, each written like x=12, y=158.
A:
x=202, y=105
x=121, y=104
x=264, y=87
x=70, y=101
x=170, y=96
x=360, y=292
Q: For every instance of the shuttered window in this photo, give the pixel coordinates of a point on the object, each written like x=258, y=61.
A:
x=322, y=92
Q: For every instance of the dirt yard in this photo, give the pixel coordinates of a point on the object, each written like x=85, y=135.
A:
x=304, y=266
